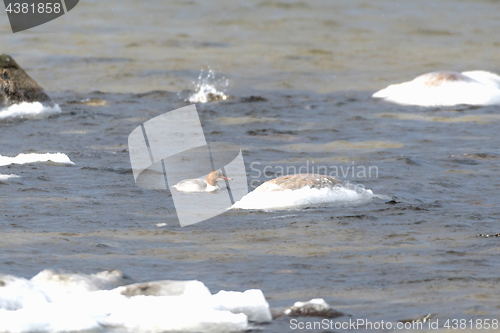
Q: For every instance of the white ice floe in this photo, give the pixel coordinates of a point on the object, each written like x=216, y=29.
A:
x=35, y=110
x=317, y=307
x=60, y=285
x=486, y=78
x=6, y=177
x=55, y=302
x=18, y=293
x=173, y=313
x=32, y=158
x=251, y=302
x=445, y=89
x=303, y=197
x=316, y=304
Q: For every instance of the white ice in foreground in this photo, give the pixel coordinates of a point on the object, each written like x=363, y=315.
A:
x=303, y=197
x=58, y=286
x=52, y=302
x=249, y=302
x=29, y=111
x=32, y=158
x=445, y=89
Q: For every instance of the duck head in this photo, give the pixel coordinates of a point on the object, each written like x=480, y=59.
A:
x=214, y=176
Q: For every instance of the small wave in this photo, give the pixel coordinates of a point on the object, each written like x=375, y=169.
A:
x=32, y=158
x=26, y=110
x=54, y=302
x=208, y=88
x=303, y=197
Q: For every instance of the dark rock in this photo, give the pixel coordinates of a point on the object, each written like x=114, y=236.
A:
x=252, y=99
x=16, y=86
x=2, y=284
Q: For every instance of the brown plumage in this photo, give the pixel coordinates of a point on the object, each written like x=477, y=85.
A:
x=298, y=181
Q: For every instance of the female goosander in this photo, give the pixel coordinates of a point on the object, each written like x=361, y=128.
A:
x=208, y=184
x=301, y=190
x=445, y=89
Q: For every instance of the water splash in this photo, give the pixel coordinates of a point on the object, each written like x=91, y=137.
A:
x=208, y=88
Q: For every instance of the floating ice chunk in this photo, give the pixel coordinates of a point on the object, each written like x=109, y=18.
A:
x=17, y=293
x=60, y=285
x=54, y=302
x=251, y=302
x=317, y=307
x=445, y=89
x=25, y=307
x=174, y=313
x=486, y=78
x=165, y=288
x=303, y=197
x=25, y=110
x=6, y=177
x=49, y=318
x=31, y=158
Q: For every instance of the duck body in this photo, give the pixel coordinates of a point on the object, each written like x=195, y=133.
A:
x=445, y=89
x=209, y=184
x=194, y=185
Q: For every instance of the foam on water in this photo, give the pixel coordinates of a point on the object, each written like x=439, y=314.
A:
x=207, y=90
x=26, y=110
x=303, y=197
x=55, y=302
x=445, y=89
x=32, y=158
